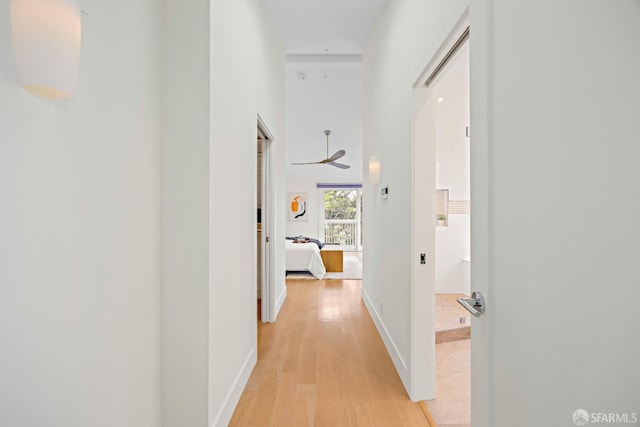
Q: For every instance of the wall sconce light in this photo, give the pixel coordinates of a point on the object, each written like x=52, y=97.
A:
x=46, y=44
x=374, y=169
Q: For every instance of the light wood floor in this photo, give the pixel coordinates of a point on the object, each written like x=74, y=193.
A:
x=324, y=364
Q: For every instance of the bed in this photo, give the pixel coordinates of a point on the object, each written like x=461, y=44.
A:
x=304, y=257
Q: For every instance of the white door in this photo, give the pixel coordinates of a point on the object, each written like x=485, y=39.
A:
x=555, y=92
x=267, y=291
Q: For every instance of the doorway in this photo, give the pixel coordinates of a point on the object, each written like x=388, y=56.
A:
x=441, y=232
x=450, y=88
x=264, y=225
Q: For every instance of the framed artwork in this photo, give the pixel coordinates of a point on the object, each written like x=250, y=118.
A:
x=297, y=207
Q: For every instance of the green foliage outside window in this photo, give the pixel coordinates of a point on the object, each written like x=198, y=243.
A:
x=340, y=204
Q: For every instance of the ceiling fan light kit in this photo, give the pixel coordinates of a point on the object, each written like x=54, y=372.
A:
x=329, y=160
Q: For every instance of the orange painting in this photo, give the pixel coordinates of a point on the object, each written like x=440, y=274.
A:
x=298, y=207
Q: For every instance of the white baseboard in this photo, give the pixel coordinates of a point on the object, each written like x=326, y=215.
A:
x=233, y=396
x=392, y=349
x=280, y=302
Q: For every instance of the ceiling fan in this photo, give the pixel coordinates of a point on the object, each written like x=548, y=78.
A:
x=329, y=160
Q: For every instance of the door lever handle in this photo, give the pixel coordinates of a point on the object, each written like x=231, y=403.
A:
x=475, y=305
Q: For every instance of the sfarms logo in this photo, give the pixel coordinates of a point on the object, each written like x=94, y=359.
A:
x=582, y=417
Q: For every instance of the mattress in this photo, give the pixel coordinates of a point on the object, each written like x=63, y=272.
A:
x=304, y=257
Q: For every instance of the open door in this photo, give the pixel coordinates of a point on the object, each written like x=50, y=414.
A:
x=555, y=230
x=266, y=293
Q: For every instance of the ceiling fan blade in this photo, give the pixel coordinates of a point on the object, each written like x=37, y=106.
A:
x=338, y=154
x=339, y=165
x=310, y=163
x=329, y=160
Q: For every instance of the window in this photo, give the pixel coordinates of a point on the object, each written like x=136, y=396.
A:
x=341, y=216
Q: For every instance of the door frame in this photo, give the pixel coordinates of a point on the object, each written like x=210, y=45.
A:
x=268, y=297
x=423, y=347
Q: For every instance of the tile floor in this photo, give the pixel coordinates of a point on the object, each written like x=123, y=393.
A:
x=452, y=406
x=449, y=312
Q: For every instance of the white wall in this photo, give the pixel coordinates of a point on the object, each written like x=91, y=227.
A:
x=329, y=97
x=544, y=139
x=453, y=242
x=247, y=78
x=81, y=311
x=406, y=37
x=185, y=214
x=311, y=227
x=232, y=70
x=79, y=253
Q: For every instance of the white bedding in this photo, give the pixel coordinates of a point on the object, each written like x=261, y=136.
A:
x=304, y=257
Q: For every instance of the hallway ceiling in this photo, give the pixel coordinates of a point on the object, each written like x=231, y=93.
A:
x=325, y=26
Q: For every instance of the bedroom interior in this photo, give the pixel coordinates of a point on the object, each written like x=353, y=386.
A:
x=334, y=86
